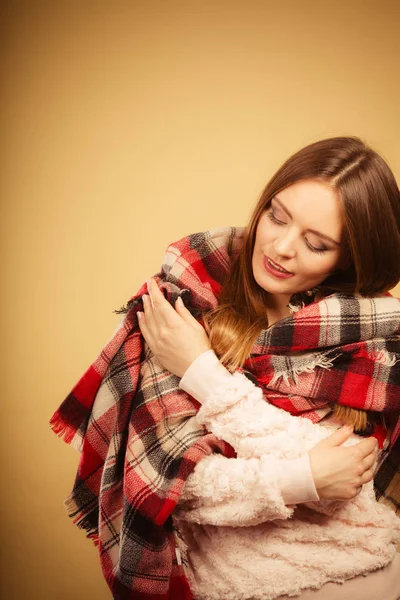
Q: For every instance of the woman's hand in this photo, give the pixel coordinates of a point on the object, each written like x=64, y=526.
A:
x=340, y=471
x=174, y=336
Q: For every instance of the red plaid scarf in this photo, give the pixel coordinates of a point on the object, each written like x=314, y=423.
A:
x=135, y=428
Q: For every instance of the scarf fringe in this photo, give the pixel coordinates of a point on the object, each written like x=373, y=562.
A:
x=322, y=361
x=386, y=358
x=82, y=522
x=66, y=432
x=125, y=308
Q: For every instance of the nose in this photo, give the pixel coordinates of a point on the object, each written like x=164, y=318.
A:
x=284, y=245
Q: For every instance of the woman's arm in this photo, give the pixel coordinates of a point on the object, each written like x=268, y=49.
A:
x=242, y=492
x=248, y=491
x=235, y=410
x=177, y=339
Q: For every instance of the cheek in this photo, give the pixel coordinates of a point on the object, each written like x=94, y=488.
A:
x=264, y=232
x=319, y=267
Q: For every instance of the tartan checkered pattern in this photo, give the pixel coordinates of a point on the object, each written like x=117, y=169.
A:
x=355, y=342
x=136, y=431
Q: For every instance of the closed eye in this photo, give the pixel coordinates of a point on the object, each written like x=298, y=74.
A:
x=314, y=249
x=273, y=218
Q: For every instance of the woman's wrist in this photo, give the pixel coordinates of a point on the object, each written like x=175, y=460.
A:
x=204, y=374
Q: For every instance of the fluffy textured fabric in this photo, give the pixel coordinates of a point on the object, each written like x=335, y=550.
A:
x=136, y=430
x=235, y=529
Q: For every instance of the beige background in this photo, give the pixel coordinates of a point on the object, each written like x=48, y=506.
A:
x=124, y=126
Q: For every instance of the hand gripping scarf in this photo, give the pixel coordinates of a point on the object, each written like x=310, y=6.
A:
x=136, y=431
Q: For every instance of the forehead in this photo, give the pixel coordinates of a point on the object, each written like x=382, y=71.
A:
x=314, y=205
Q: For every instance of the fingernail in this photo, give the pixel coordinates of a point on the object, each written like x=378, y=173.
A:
x=145, y=298
x=139, y=314
x=180, y=301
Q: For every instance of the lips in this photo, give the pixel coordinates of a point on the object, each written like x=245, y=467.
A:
x=276, y=269
x=276, y=265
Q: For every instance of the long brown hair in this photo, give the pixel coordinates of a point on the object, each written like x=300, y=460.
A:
x=370, y=202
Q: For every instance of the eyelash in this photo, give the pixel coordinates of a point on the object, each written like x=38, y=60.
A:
x=273, y=218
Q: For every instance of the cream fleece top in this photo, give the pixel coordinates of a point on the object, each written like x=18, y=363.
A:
x=252, y=527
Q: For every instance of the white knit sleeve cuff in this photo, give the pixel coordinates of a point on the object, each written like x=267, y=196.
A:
x=204, y=375
x=296, y=481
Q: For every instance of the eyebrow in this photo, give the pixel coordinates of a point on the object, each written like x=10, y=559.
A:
x=322, y=235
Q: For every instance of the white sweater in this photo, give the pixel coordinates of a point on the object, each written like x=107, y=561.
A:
x=243, y=534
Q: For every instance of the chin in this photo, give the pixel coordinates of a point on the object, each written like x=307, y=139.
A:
x=274, y=287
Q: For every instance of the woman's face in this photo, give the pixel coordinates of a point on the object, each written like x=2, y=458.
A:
x=298, y=239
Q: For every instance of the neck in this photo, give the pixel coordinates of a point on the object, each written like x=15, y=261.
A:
x=277, y=308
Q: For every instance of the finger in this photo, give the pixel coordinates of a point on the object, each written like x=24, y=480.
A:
x=369, y=461
x=157, y=307
x=367, y=475
x=163, y=311
x=339, y=436
x=144, y=330
x=149, y=317
x=148, y=308
x=366, y=446
x=185, y=313
x=146, y=333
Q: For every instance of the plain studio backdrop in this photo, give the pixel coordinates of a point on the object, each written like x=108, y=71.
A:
x=124, y=127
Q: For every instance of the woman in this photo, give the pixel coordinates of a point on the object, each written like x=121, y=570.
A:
x=142, y=435
x=307, y=232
